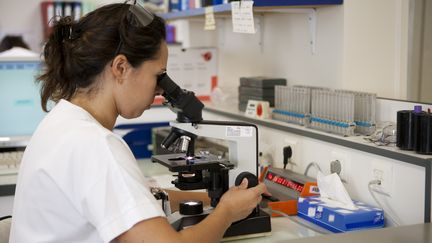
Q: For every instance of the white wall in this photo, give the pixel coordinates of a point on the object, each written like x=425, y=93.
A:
x=22, y=17
x=281, y=49
x=360, y=45
x=426, y=74
x=375, y=46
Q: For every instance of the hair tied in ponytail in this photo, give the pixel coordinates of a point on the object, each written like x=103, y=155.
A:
x=64, y=30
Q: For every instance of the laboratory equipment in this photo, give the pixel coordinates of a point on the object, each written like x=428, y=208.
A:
x=405, y=130
x=364, y=112
x=336, y=111
x=213, y=146
x=286, y=188
x=292, y=104
x=343, y=112
x=333, y=111
x=423, y=135
x=20, y=105
x=385, y=135
x=258, y=109
x=258, y=88
x=206, y=171
x=414, y=130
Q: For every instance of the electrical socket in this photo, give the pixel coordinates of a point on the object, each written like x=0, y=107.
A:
x=384, y=172
x=344, y=162
x=295, y=152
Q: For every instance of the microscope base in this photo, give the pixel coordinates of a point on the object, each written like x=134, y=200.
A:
x=255, y=225
x=258, y=223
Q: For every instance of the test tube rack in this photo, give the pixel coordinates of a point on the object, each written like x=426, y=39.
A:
x=292, y=104
x=341, y=112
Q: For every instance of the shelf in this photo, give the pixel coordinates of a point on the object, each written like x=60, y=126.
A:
x=353, y=142
x=265, y=5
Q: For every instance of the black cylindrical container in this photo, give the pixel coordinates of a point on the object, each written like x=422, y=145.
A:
x=206, y=3
x=417, y=131
x=423, y=138
x=405, y=130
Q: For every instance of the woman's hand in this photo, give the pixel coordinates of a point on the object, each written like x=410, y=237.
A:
x=239, y=201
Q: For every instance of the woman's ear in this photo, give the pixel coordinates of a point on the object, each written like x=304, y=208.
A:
x=120, y=67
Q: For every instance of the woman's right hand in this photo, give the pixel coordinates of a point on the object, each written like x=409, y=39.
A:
x=239, y=201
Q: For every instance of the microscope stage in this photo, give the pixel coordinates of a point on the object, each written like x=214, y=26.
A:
x=181, y=162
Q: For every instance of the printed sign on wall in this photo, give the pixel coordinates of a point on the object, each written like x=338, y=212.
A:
x=194, y=69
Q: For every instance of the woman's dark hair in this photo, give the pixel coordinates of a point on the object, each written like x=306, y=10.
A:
x=77, y=52
x=10, y=41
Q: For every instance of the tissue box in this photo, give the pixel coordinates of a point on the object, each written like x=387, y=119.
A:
x=340, y=219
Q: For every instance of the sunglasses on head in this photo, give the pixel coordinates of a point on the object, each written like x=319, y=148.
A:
x=136, y=16
x=142, y=15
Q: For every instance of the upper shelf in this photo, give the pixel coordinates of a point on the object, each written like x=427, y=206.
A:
x=258, y=4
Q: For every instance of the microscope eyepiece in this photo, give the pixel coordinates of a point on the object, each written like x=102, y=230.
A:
x=182, y=102
x=172, y=91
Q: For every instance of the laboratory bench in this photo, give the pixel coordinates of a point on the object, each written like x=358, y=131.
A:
x=283, y=228
x=297, y=230
x=292, y=229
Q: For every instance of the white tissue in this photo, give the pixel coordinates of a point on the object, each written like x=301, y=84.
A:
x=333, y=192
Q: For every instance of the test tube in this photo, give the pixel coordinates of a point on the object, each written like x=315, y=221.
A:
x=277, y=102
x=285, y=101
x=294, y=107
x=340, y=117
x=314, y=107
x=289, y=103
x=333, y=97
x=320, y=106
x=328, y=107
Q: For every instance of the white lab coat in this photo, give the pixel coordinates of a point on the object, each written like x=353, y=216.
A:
x=78, y=182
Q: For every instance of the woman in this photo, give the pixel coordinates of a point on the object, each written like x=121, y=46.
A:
x=78, y=181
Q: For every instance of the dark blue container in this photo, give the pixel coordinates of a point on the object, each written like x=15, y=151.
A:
x=139, y=137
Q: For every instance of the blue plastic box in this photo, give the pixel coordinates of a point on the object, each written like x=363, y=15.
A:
x=139, y=137
x=340, y=219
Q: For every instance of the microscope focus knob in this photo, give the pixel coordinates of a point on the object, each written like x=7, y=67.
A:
x=252, y=179
x=191, y=207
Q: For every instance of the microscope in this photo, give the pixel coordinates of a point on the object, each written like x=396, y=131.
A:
x=206, y=171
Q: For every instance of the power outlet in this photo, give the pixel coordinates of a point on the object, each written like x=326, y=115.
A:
x=384, y=172
x=295, y=152
x=344, y=163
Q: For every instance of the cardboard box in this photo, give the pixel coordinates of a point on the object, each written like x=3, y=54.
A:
x=337, y=219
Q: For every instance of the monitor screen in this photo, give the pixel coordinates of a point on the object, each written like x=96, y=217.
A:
x=20, y=106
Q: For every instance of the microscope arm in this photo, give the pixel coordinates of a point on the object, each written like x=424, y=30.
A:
x=242, y=142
